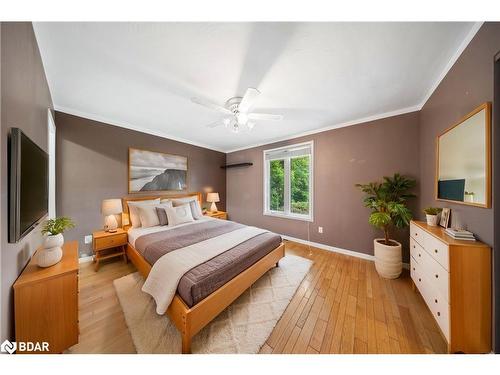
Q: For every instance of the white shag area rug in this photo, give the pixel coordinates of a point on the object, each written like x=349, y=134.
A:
x=243, y=327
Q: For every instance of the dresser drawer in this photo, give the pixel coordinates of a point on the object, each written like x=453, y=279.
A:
x=418, y=279
x=416, y=251
x=440, y=309
x=418, y=234
x=438, y=250
x=438, y=305
x=112, y=241
x=436, y=275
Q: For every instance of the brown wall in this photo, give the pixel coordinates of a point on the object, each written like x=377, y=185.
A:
x=468, y=84
x=92, y=165
x=342, y=158
x=25, y=98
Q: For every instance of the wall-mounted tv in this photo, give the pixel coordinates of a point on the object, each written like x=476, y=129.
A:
x=28, y=185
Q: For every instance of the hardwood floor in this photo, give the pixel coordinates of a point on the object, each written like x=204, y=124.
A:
x=342, y=306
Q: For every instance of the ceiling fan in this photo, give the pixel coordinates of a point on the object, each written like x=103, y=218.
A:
x=237, y=111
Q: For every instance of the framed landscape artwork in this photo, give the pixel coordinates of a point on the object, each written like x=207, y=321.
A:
x=156, y=171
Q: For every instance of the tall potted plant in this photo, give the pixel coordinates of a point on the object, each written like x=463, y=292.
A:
x=387, y=201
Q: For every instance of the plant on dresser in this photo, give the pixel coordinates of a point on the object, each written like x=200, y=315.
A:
x=432, y=215
x=387, y=200
x=454, y=279
x=51, y=252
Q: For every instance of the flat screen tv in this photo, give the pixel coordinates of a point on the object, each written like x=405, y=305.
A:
x=453, y=190
x=28, y=185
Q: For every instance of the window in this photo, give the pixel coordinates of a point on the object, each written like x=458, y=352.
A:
x=288, y=176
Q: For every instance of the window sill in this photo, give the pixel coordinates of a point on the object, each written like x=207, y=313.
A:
x=289, y=216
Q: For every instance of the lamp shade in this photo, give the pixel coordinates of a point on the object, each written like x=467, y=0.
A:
x=111, y=207
x=213, y=197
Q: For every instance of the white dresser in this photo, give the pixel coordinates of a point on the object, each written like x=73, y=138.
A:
x=454, y=279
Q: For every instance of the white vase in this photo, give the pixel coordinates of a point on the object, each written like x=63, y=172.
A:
x=432, y=220
x=388, y=259
x=51, y=252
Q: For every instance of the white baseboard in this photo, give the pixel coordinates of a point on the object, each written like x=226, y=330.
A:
x=85, y=259
x=335, y=249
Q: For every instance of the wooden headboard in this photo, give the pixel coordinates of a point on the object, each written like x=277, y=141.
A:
x=125, y=200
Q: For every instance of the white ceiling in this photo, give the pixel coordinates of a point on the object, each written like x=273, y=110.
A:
x=318, y=75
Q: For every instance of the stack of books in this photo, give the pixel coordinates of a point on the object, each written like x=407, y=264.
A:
x=460, y=234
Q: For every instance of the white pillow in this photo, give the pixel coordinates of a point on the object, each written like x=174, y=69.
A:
x=179, y=215
x=194, y=204
x=135, y=219
x=148, y=215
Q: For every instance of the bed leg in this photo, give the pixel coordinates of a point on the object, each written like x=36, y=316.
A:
x=186, y=344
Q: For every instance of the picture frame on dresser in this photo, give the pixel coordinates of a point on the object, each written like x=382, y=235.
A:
x=445, y=217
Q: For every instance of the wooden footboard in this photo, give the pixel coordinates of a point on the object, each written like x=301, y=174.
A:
x=190, y=321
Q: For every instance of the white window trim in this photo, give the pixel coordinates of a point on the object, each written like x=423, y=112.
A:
x=52, y=164
x=287, y=214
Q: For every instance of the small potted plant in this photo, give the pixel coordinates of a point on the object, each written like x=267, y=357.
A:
x=387, y=200
x=432, y=215
x=469, y=196
x=51, y=253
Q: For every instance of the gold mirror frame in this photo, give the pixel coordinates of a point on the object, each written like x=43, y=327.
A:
x=487, y=107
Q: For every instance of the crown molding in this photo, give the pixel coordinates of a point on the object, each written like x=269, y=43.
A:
x=331, y=127
x=128, y=126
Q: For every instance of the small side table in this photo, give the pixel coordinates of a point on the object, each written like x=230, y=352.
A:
x=109, y=245
x=217, y=214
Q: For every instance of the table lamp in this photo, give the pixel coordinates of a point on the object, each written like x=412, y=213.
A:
x=110, y=208
x=213, y=197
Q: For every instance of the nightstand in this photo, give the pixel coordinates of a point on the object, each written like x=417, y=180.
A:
x=109, y=245
x=217, y=214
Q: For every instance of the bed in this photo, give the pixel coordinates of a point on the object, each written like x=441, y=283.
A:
x=241, y=255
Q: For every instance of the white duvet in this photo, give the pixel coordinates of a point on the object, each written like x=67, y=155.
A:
x=166, y=273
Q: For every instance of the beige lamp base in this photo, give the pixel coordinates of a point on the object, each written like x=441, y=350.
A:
x=213, y=207
x=110, y=224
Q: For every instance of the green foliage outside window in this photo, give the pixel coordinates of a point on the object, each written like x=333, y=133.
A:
x=277, y=185
x=299, y=185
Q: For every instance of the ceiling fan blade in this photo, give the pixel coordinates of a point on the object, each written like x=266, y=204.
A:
x=211, y=105
x=248, y=99
x=264, y=116
x=215, y=124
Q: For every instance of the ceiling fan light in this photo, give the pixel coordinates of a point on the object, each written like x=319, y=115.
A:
x=250, y=125
x=242, y=118
x=226, y=121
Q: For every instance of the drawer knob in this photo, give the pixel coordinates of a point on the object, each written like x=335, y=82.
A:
x=413, y=246
x=416, y=234
x=419, y=254
x=437, y=276
x=413, y=268
x=435, y=301
x=436, y=251
x=439, y=314
x=419, y=279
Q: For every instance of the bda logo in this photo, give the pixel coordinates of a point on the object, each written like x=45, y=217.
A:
x=8, y=347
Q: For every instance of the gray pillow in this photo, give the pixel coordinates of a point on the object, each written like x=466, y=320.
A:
x=162, y=214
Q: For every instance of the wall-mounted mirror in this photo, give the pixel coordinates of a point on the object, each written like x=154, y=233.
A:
x=464, y=160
